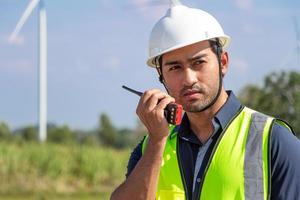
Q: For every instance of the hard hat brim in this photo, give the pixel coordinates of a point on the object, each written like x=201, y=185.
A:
x=224, y=39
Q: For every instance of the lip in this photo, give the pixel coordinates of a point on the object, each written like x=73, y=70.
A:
x=190, y=92
x=191, y=95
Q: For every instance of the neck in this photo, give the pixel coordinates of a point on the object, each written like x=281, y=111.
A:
x=201, y=122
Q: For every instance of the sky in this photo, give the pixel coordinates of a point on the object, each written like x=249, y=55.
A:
x=96, y=46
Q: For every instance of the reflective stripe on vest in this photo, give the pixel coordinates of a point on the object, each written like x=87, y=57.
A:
x=238, y=167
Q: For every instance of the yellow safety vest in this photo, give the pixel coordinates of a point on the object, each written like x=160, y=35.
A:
x=238, y=166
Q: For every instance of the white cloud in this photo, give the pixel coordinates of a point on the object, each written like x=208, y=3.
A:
x=151, y=9
x=141, y=4
x=251, y=29
x=110, y=63
x=244, y=4
x=113, y=62
x=239, y=65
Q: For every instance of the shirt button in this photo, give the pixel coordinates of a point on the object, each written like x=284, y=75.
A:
x=198, y=180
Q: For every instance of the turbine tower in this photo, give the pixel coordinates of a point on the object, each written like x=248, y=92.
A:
x=42, y=60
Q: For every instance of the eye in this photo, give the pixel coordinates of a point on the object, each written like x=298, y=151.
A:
x=174, y=67
x=198, y=62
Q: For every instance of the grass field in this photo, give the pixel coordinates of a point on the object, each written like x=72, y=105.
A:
x=52, y=171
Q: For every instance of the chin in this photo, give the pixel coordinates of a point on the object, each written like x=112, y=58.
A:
x=195, y=107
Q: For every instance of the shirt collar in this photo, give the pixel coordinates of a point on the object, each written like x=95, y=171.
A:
x=221, y=119
x=228, y=110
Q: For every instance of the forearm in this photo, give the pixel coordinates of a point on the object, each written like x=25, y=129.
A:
x=142, y=182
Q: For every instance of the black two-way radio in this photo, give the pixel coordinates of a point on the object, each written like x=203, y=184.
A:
x=173, y=111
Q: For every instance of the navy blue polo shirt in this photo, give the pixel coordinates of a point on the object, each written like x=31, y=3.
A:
x=285, y=154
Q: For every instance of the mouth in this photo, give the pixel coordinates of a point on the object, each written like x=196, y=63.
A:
x=191, y=94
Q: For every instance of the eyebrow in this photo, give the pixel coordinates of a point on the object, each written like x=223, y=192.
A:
x=197, y=57
x=190, y=60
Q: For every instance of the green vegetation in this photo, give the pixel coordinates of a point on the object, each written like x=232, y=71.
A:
x=118, y=138
x=72, y=164
x=47, y=170
x=4, y=131
x=279, y=97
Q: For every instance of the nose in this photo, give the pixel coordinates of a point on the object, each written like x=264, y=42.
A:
x=189, y=77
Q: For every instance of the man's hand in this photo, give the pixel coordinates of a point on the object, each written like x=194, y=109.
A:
x=151, y=112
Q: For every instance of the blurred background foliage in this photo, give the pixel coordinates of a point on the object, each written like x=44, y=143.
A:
x=279, y=96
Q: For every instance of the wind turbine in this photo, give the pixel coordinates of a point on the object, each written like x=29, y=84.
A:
x=297, y=30
x=295, y=52
x=42, y=60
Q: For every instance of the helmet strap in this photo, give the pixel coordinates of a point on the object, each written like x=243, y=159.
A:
x=159, y=71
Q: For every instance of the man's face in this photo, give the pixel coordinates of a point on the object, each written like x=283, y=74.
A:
x=191, y=75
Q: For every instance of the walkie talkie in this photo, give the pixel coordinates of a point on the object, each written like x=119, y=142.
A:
x=173, y=111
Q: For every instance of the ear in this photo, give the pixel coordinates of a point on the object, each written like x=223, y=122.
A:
x=224, y=63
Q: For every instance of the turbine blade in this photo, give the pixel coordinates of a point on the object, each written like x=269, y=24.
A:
x=23, y=19
x=298, y=39
x=297, y=29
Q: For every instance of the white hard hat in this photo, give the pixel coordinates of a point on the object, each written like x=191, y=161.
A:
x=182, y=26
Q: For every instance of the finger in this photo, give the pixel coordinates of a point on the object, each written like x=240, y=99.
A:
x=155, y=99
x=143, y=105
x=147, y=94
x=164, y=102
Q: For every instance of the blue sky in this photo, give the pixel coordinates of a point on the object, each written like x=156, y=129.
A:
x=95, y=46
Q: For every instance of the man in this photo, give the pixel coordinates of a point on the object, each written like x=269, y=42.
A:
x=222, y=149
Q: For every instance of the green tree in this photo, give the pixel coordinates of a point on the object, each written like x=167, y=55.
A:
x=107, y=132
x=62, y=134
x=124, y=138
x=279, y=97
x=139, y=132
x=4, y=131
x=29, y=133
x=89, y=139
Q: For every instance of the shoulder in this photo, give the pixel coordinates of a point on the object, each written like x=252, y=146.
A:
x=285, y=163
x=284, y=143
x=135, y=156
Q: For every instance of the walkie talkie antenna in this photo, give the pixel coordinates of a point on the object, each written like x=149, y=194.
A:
x=132, y=90
x=172, y=112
